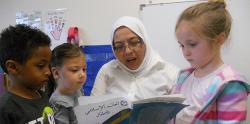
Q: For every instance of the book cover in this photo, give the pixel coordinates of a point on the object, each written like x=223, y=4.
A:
x=110, y=109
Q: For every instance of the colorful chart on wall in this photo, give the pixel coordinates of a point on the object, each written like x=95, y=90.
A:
x=55, y=26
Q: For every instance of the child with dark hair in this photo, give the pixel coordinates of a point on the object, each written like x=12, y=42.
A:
x=25, y=56
x=68, y=67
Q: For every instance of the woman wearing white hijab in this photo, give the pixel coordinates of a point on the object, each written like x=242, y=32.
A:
x=138, y=71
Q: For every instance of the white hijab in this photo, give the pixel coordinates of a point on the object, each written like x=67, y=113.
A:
x=150, y=58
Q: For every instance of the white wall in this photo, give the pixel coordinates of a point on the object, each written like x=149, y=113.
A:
x=93, y=17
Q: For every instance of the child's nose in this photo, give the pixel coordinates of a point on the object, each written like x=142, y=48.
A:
x=47, y=72
x=186, y=52
x=82, y=74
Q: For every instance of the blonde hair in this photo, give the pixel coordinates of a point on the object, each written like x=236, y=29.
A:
x=209, y=19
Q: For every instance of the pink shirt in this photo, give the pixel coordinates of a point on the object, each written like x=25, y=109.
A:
x=195, y=89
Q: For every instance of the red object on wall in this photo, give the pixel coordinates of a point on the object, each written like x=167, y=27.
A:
x=73, y=36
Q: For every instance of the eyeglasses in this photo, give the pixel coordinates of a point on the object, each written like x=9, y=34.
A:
x=132, y=44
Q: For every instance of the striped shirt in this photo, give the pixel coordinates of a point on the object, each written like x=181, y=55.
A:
x=223, y=101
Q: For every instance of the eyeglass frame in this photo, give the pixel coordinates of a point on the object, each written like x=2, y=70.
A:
x=128, y=44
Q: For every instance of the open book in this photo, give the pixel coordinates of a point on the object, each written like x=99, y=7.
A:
x=109, y=109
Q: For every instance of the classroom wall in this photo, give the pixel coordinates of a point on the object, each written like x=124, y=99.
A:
x=93, y=17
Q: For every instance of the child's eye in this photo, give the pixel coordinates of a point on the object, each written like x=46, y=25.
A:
x=74, y=70
x=192, y=44
x=181, y=46
x=40, y=65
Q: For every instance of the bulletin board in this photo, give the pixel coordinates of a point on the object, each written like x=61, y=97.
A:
x=96, y=57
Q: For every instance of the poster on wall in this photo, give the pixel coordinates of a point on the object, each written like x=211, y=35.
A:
x=33, y=19
x=55, y=26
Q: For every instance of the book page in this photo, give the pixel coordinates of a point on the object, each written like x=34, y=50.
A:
x=155, y=112
x=178, y=98
x=108, y=109
x=96, y=110
x=85, y=100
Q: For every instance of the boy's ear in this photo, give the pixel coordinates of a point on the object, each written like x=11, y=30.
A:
x=12, y=66
x=55, y=73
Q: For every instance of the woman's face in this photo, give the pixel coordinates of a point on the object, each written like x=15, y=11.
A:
x=129, y=48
